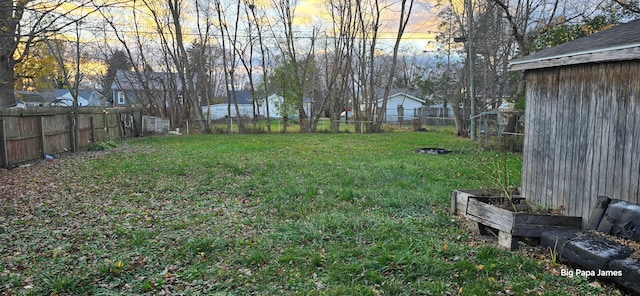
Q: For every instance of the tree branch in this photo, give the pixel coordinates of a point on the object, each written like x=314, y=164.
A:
x=632, y=6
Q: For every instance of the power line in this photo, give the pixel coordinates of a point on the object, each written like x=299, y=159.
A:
x=381, y=35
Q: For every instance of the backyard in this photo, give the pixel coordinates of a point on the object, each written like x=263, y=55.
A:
x=269, y=214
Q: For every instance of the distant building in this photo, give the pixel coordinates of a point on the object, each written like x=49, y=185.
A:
x=221, y=109
x=59, y=98
x=402, y=106
x=143, y=88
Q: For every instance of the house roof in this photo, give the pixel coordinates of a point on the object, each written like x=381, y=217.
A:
x=243, y=97
x=34, y=97
x=91, y=96
x=406, y=96
x=394, y=91
x=621, y=42
x=128, y=80
x=83, y=93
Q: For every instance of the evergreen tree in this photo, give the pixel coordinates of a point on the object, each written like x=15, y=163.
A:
x=118, y=61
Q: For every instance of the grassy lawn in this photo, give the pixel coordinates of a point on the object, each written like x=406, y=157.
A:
x=280, y=214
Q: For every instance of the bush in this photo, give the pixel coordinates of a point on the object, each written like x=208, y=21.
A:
x=99, y=146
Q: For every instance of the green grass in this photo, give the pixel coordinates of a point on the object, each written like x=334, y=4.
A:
x=279, y=214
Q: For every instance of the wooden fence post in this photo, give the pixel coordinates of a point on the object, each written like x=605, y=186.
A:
x=3, y=145
x=72, y=134
x=105, y=122
x=120, y=125
x=42, y=138
x=93, y=131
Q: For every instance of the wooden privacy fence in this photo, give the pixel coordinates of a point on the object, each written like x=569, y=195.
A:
x=30, y=134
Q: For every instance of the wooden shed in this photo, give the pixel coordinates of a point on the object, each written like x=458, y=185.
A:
x=582, y=121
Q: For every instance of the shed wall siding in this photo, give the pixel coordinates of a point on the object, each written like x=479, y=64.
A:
x=582, y=135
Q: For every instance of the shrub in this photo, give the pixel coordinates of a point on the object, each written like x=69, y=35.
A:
x=99, y=146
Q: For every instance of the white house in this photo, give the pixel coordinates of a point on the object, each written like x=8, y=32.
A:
x=221, y=110
x=275, y=103
x=64, y=98
x=402, y=106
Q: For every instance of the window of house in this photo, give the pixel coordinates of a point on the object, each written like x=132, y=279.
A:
x=121, y=100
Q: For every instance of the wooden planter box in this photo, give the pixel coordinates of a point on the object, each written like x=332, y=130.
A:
x=510, y=226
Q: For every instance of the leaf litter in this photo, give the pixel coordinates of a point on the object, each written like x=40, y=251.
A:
x=58, y=222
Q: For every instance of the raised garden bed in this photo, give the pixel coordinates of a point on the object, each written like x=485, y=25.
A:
x=480, y=207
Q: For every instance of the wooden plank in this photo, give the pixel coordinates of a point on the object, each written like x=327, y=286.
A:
x=600, y=131
x=4, y=160
x=563, y=138
x=42, y=137
x=84, y=137
x=533, y=230
x=454, y=202
x=573, y=177
x=629, y=124
x=558, y=149
x=507, y=241
x=634, y=109
x=618, y=121
x=593, y=138
x=585, y=163
x=59, y=143
x=577, y=156
x=624, y=134
x=459, y=198
x=598, y=212
x=495, y=217
x=105, y=120
x=565, y=121
x=531, y=85
x=92, y=128
x=603, y=119
x=23, y=150
x=543, y=143
x=546, y=219
x=547, y=134
x=534, y=134
x=529, y=147
x=613, y=77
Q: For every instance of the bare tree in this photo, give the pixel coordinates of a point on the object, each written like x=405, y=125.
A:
x=151, y=90
x=454, y=24
x=58, y=50
x=27, y=21
x=405, y=13
x=494, y=49
x=632, y=6
x=338, y=60
x=364, y=76
x=529, y=19
x=285, y=10
x=263, y=60
x=175, y=51
x=230, y=60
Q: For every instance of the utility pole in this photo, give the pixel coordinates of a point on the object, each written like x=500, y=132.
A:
x=472, y=90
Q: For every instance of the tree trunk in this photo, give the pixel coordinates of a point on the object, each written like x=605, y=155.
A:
x=405, y=13
x=6, y=75
x=9, y=18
